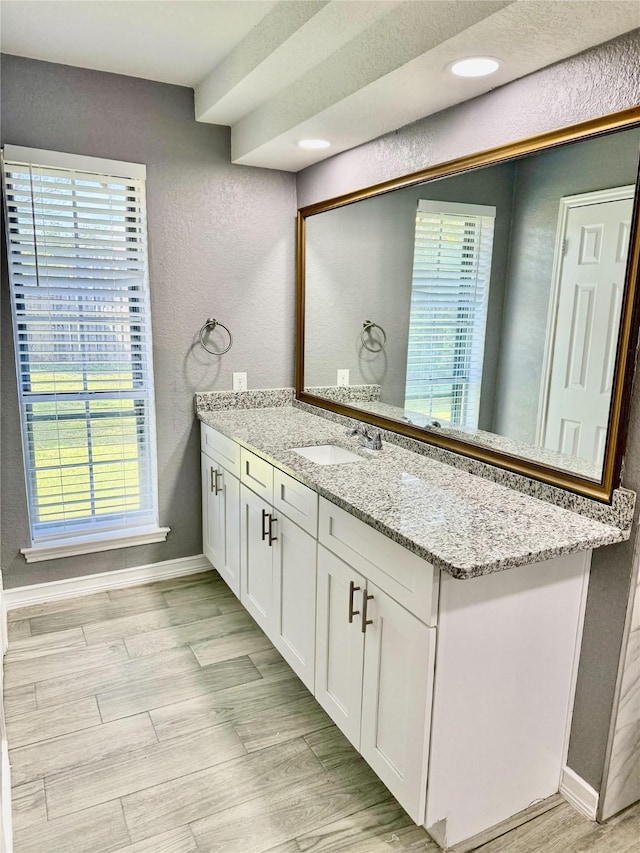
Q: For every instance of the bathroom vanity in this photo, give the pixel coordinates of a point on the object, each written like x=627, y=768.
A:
x=431, y=593
x=435, y=615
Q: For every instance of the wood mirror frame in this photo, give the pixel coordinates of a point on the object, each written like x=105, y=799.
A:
x=627, y=343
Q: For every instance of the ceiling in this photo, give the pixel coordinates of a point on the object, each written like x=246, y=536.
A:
x=280, y=71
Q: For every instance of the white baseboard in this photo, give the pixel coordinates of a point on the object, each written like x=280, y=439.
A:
x=579, y=793
x=87, y=584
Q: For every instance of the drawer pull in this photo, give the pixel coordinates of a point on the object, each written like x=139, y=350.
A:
x=352, y=589
x=365, y=599
x=272, y=538
x=265, y=532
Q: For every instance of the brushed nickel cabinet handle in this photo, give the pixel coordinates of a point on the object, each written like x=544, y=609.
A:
x=216, y=487
x=272, y=538
x=352, y=589
x=213, y=482
x=365, y=599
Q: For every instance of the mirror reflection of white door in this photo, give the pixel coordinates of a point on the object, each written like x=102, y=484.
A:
x=593, y=237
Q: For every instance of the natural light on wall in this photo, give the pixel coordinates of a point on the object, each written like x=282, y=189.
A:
x=449, y=296
x=77, y=258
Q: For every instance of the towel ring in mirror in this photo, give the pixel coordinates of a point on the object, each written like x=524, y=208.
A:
x=367, y=326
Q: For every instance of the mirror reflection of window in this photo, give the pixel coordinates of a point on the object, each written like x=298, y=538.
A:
x=448, y=315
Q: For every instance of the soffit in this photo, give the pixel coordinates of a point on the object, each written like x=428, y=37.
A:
x=345, y=70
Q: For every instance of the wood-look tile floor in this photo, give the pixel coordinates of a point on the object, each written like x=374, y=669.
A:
x=159, y=719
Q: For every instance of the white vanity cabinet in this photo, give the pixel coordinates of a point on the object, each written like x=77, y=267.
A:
x=259, y=529
x=339, y=643
x=294, y=584
x=374, y=658
x=221, y=509
x=466, y=732
x=278, y=560
x=256, y=558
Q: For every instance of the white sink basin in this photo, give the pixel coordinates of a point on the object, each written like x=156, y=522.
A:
x=327, y=454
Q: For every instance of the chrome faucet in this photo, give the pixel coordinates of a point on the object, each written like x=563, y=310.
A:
x=372, y=440
x=428, y=425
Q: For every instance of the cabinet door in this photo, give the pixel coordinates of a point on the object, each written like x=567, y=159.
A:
x=210, y=511
x=396, y=699
x=228, y=554
x=339, y=644
x=294, y=594
x=221, y=521
x=256, y=559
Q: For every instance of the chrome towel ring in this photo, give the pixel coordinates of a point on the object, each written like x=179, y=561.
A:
x=367, y=326
x=211, y=324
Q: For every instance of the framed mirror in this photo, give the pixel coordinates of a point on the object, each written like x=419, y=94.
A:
x=489, y=305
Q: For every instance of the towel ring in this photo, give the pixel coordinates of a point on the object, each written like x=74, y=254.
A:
x=366, y=327
x=211, y=323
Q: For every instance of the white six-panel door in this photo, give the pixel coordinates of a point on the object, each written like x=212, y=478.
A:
x=589, y=300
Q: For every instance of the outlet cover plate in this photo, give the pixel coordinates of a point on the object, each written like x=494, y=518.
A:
x=239, y=381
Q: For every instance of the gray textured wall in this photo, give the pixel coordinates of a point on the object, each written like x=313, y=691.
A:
x=541, y=182
x=221, y=243
x=359, y=265
x=594, y=83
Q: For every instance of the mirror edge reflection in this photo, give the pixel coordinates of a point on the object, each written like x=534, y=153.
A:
x=600, y=490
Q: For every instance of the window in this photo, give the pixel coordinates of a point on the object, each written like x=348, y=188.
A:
x=449, y=294
x=77, y=257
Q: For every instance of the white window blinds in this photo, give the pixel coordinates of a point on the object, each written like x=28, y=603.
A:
x=450, y=288
x=77, y=257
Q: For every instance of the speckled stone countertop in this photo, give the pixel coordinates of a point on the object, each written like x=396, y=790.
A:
x=464, y=524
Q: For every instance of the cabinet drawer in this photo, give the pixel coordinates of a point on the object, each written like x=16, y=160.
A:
x=296, y=501
x=222, y=449
x=256, y=474
x=407, y=578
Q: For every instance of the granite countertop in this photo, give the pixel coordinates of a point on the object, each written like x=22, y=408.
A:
x=463, y=524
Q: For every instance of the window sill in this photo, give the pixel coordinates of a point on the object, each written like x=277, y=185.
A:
x=78, y=545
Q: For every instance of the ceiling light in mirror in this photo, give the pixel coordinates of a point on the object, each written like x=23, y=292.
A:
x=314, y=144
x=474, y=66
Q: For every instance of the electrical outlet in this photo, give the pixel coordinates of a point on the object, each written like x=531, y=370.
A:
x=343, y=377
x=239, y=381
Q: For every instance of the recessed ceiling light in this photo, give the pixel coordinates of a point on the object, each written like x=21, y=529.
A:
x=314, y=143
x=474, y=66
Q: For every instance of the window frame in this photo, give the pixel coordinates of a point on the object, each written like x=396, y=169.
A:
x=111, y=530
x=465, y=404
